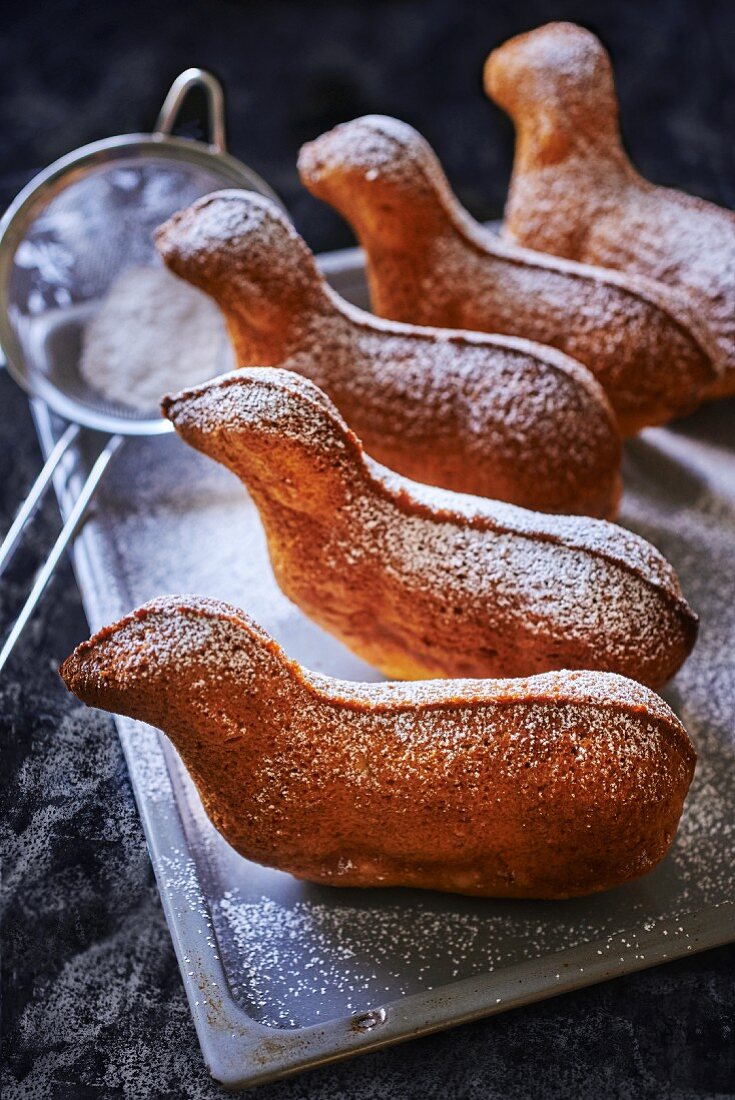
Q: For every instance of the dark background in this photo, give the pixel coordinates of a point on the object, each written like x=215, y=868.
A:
x=92, y=1000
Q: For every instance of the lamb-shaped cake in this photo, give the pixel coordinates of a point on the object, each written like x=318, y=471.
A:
x=575, y=193
x=549, y=787
x=424, y=582
x=430, y=263
x=499, y=417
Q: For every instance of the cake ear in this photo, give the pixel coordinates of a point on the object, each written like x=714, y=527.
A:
x=552, y=143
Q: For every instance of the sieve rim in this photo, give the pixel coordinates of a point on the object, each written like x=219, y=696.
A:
x=45, y=186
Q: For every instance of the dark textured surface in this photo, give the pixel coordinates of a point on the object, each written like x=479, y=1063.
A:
x=92, y=1000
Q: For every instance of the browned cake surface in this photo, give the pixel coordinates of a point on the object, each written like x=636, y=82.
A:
x=548, y=787
x=496, y=416
x=575, y=193
x=430, y=263
x=426, y=582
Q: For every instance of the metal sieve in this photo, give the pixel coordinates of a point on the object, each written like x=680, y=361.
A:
x=69, y=234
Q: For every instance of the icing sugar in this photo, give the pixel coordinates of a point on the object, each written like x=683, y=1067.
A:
x=176, y=633
x=283, y=404
x=152, y=333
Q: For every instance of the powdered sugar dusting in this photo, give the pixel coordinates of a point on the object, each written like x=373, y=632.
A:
x=185, y=631
x=368, y=787
x=152, y=333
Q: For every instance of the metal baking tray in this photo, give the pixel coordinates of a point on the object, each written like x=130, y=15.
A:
x=282, y=975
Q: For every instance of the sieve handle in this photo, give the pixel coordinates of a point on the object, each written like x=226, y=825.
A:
x=68, y=531
x=196, y=78
x=35, y=496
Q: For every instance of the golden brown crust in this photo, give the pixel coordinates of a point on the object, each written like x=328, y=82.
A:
x=574, y=192
x=425, y=582
x=430, y=263
x=494, y=416
x=551, y=787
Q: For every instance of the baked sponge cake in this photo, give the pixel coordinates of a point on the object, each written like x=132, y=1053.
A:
x=498, y=416
x=429, y=262
x=547, y=787
x=424, y=582
x=575, y=193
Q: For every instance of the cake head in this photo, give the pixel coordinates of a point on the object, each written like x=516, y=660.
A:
x=276, y=430
x=380, y=174
x=167, y=654
x=557, y=85
x=240, y=248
